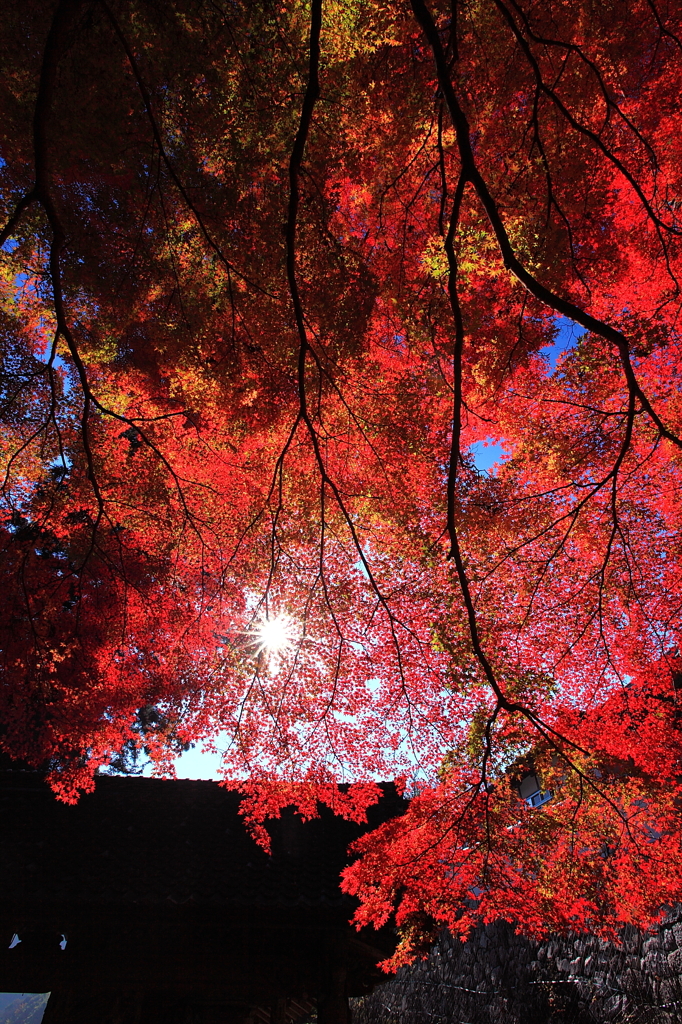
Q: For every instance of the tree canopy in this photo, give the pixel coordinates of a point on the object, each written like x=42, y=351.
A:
x=271, y=272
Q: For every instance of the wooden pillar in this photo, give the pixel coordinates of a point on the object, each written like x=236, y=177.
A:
x=162, y=1007
x=332, y=1003
x=278, y=1011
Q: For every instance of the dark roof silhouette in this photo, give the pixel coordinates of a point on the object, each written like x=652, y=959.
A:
x=169, y=907
x=149, y=842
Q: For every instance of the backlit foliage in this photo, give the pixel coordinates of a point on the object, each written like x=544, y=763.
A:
x=270, y=271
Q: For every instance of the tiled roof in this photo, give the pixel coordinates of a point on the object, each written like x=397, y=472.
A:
x=149, y=842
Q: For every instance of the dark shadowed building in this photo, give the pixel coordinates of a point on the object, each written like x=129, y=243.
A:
x=170, y=911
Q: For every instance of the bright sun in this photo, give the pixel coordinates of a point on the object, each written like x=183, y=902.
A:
x=273, y=636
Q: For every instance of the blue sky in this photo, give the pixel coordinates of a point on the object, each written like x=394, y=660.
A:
x=196, y=763
x=486, y=453
x=568, y=335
